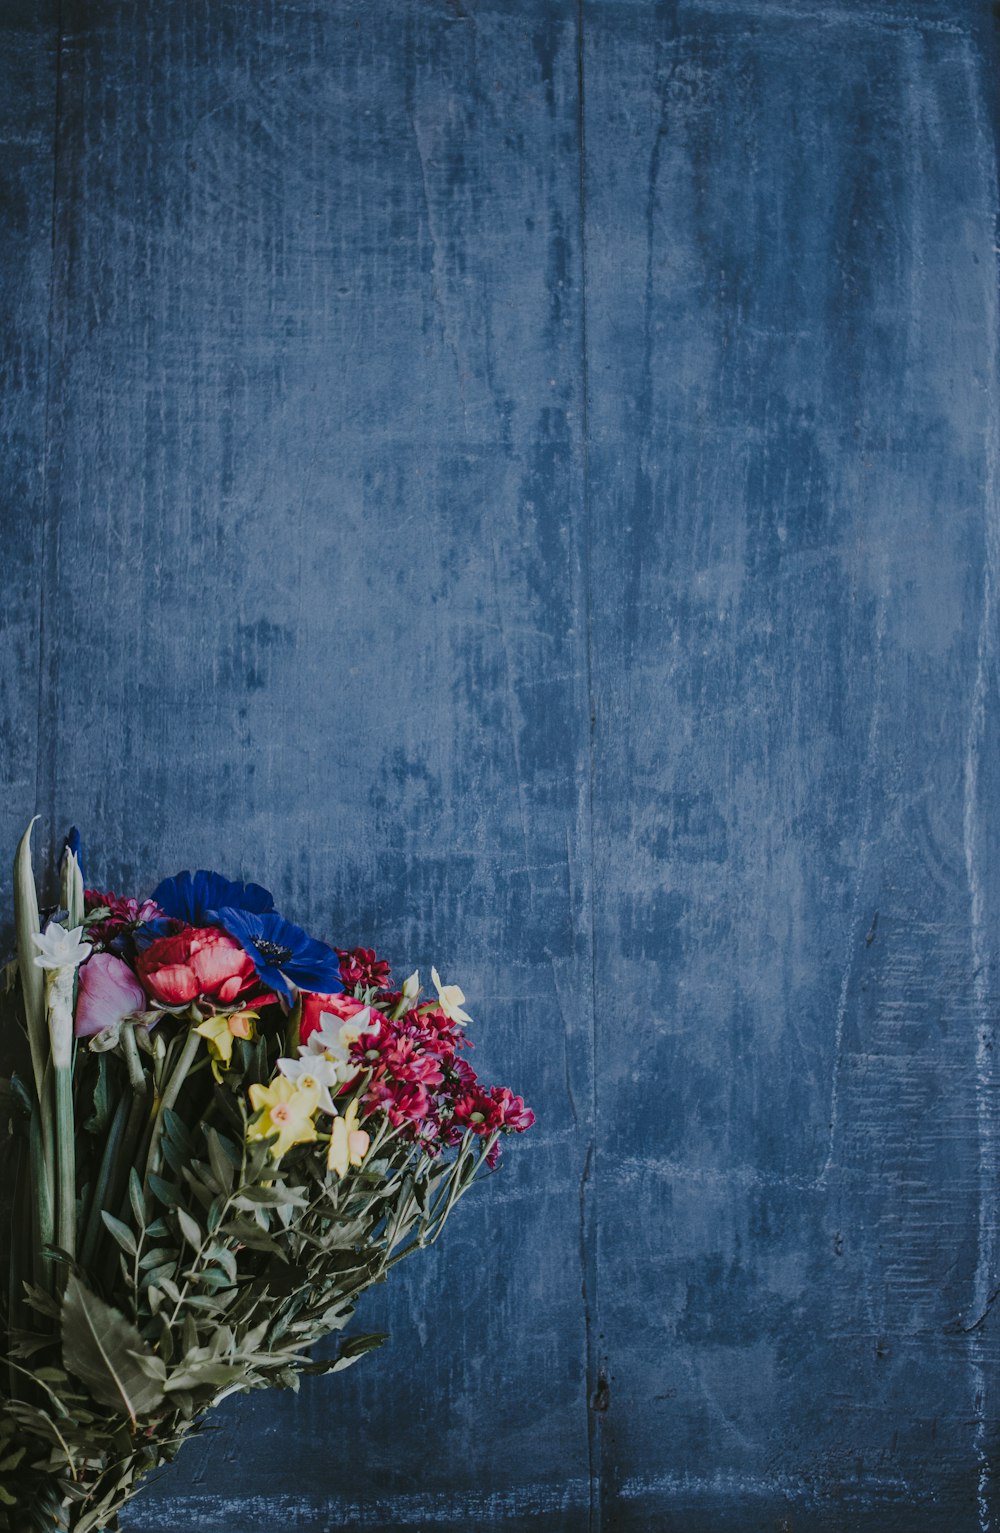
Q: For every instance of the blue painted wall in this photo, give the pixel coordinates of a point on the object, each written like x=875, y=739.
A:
x=521, y=479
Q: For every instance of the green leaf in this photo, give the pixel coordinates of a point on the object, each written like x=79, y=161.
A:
x=222, y=1165
x=253, y=1238
x=351, y=1350
x=121, y=1232
x=213, y=1279
x=103, y=1349
x=357, y=1346
x=167, y=1192
x=189, y=1229
x=136, y=1198
x=27, y=923
x=177, y=1132
x=228, y=1108
x=159, y=1272
x=207, y=1375
x=101, y=1113
x=71, y=888
x=273, y=1197
x=159, y=1256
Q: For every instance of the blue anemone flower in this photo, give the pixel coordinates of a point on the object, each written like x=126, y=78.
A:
x=151, y=931
x=283, y=954
x=195, y=900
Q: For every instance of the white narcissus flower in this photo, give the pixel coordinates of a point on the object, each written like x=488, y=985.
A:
x=60, y=953
x=313, y=1071
x=59, y=948
x=332, y=1041
x=450, y=999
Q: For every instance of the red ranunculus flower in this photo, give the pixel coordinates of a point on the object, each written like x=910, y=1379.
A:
x=198, y=961
x=314, y=1004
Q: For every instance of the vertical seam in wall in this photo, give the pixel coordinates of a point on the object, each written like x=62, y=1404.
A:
x=975, y=841
x=588, y=1243
x=45, y=790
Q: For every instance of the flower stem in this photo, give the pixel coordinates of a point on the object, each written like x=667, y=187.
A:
x=43, y=1229
x=95, y=1224
x=137, y=1119
x=168, y=1099
x=65, y=1161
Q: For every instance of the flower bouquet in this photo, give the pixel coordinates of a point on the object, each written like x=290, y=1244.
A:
x=219, y=1132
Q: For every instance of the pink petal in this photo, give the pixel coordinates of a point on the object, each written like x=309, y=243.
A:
x=108, y=992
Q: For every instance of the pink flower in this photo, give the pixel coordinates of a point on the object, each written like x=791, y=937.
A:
x=407, y=1062
x=108, y=992
x=403, y=1103
x=201, y=961
x=123, y=914
x=513, y=1113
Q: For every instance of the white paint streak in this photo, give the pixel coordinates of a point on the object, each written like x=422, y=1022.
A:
x=446, y=1508
x=739, y=1487
x=629, y=1169
x=438, y=271
x=828, y=16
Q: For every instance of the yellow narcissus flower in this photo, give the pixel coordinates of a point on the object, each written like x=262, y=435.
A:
x=286, y=1109
x=450, y=999
x=348, y=1143
x=219, y=1033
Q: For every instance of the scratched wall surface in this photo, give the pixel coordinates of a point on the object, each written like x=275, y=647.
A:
x=519, y=478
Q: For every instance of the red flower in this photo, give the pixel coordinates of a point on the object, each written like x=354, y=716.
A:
x=402, y=1103
x=314, y=1004
x=124, y=913
x=463, y=1072
x=359, y=966
x=197, y=962
x=476, y=1109
x=513, y=1113
x=407, y=1061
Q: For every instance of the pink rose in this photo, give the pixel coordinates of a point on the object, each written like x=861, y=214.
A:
x=202, y=961
x=108, y=992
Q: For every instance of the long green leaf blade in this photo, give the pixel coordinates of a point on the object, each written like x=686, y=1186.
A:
x=27, y=923
x=71, y=888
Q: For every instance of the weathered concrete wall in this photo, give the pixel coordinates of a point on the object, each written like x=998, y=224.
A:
x=520, y=479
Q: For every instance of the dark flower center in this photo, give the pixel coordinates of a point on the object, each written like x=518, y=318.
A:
x=273, y=952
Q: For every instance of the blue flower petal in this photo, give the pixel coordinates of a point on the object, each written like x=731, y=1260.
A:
x=151, y=931
x=283, y=954
x=194, y=900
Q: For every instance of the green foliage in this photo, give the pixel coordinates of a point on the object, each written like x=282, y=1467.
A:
x=102, y=1349
x=203, y=1269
